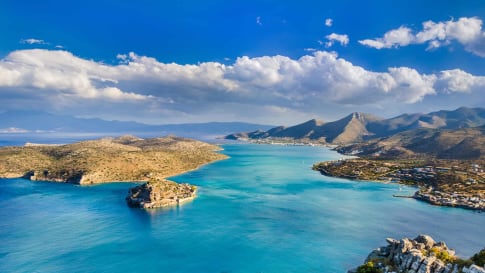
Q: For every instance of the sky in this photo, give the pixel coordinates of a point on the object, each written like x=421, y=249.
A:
x=268, y=62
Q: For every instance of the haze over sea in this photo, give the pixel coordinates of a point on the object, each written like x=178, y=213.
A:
x=262, y=210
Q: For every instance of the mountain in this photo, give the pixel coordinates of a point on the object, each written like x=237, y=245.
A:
x=465, y=143
x=358, y=127
x=460, y=118
x=38, y=121
x=351, y=128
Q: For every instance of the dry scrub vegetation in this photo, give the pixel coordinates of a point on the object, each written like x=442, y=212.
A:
x=126, y=158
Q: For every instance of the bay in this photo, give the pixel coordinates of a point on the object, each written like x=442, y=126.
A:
x=262, y=210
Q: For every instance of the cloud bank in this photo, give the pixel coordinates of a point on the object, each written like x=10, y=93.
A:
x=466, y=31
x=271, y=86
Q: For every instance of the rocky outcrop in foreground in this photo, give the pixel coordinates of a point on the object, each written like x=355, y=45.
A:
x=421, y=255
x=156, y=194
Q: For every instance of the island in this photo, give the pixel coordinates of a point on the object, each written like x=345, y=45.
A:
x=122, y=159
x=156, y=194
x=419, y=255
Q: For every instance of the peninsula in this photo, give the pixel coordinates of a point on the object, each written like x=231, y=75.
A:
x=447, y=165
x=122, y=159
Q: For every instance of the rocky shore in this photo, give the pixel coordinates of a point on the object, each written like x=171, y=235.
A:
x=419, y=255
x=157, y=194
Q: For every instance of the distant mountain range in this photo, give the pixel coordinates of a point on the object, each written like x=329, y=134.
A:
x=359, y=127
x=38, y=121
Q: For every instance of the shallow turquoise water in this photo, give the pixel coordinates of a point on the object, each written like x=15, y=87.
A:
x=262, y=210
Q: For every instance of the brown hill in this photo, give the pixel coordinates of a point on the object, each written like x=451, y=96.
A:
x=351, y=128
x=126, y=158
x=466, y=143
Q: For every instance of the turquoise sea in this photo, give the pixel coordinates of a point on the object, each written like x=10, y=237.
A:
x=262, y=210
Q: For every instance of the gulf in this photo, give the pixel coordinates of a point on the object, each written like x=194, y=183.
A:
x=262, y=210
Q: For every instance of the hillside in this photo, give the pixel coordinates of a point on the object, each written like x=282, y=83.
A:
x=445, y=164
x=126, y=158
x=464, y=144
x=358, y=127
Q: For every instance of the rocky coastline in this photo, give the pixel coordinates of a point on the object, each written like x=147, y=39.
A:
x=419, y=255
x=459, y=185
x=160, y=193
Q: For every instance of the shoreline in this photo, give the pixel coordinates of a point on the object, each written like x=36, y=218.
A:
x=427, y=194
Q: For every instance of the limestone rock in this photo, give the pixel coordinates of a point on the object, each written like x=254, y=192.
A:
x=419, y=255
x=426, y=240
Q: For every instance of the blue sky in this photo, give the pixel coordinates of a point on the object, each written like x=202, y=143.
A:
x=277, y=62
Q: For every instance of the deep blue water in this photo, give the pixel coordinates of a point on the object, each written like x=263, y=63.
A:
x=262, y=210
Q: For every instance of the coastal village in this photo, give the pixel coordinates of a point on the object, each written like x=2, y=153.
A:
x=442, y=182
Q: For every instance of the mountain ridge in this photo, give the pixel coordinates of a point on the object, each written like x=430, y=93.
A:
x=26, y=121
x=358, y=127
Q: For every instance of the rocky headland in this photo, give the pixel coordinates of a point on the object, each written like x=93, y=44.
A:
x=122, y=159
x=419, y=255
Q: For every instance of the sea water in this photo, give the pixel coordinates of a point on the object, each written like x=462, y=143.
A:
x=262, y=210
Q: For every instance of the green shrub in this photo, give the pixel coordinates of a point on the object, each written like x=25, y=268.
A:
x=368, y=268
x=479, y=258
x=443, y=255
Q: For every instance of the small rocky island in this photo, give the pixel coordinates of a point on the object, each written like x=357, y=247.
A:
x=160, y=193
x=419, y=255
x=122, y=159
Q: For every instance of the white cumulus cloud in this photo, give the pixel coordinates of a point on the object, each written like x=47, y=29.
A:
x=343, y=39
x=394, y=38
x=145, y=88
x=328, y=22
x=466, y=31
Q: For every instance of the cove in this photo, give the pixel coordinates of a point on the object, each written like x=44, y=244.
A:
x=262, y=210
